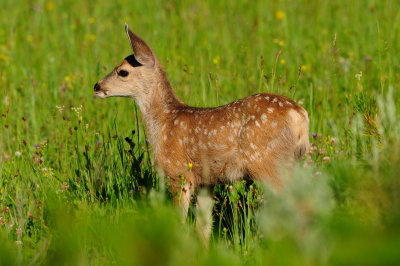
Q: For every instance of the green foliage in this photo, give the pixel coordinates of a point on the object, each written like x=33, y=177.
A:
x=77, y=185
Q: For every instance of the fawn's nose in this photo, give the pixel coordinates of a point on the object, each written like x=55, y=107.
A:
x=96, y=87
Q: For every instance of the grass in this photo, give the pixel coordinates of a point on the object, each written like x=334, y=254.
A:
x=77, y=185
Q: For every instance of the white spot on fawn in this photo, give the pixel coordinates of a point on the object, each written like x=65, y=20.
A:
x=176, y=122
x=220, y=147
x=272, y=145
x=202, y=146
x=257, y=124
x=253, y=146
x=270, y=110
x=274, y=100
x=274, y=123
x=280, y=104
x=264, y=118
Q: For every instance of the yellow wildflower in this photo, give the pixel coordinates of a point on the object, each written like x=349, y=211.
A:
x=350, y=53
x=49, y=6
x=303, y=68
x=190, y=165
x=92, y=37
x=3, y=57
x=281, y=43
x=91, y=20
x=216, y=60
x=283, y=61
x=280, y=15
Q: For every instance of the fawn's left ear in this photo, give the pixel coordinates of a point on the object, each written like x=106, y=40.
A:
x=141, y=49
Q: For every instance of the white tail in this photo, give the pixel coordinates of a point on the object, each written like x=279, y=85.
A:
x=255, y=137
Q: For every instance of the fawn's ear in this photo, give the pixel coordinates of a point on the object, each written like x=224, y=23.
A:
x=141, y=50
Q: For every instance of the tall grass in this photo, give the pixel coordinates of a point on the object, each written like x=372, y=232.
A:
x=77, y=184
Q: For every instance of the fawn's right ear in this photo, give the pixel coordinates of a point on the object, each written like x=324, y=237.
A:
x=141, y=50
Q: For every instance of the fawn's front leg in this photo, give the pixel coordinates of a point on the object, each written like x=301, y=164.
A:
x=182, y=200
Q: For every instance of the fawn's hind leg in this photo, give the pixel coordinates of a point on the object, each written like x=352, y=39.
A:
x=204, y=222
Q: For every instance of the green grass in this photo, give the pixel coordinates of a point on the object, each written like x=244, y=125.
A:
x=74, y=191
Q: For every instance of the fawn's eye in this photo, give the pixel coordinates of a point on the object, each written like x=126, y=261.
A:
x=123, y=73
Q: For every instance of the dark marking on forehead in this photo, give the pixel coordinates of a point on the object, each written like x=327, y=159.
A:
x=132, y=61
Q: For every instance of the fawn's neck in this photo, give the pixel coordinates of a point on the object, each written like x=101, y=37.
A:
x=158, y=105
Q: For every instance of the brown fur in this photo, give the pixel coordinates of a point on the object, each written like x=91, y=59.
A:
x=255, y=137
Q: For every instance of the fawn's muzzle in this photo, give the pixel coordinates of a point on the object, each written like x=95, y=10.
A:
x=96, y=87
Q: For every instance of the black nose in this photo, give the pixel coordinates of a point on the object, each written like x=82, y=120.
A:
x=96, y=87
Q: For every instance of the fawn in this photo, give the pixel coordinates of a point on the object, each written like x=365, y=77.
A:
x=256, y=137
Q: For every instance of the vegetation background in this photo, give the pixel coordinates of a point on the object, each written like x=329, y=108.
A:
x=74, y=191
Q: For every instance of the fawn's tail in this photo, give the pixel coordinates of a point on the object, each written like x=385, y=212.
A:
x=303, y=142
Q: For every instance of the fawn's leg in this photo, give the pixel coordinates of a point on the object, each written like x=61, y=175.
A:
x=183, y=200
x=204, y=215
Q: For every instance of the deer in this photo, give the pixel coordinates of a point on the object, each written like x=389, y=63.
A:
x=258, y=137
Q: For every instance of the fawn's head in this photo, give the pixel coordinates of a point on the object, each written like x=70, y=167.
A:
x=136, y=74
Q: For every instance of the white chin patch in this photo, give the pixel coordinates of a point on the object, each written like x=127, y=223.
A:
x=100, y=94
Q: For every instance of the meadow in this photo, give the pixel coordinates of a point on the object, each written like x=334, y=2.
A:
x=77, y=181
